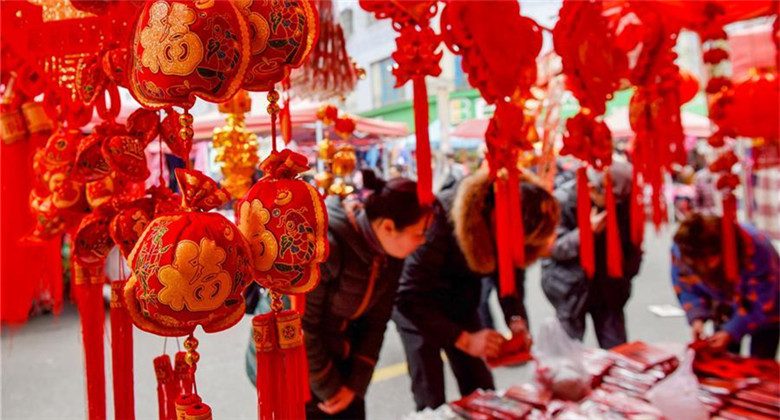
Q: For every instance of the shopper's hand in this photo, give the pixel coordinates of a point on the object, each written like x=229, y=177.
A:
x=719, y=341
x=484, y=343
x=697, y=328
x=338, y=402
x=598, y=220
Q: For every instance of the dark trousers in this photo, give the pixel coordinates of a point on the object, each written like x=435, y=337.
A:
x=355, y=411
x=426, y=370
x=763, y=343
x=609, y=322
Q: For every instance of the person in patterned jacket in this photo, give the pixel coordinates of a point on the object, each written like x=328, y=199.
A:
x=747, y=307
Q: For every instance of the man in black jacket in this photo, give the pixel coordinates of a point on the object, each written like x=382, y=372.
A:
x=564, y=282
x=440, y=287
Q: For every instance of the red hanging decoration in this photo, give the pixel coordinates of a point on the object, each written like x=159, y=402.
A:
x=637, y=209
x=729, y=237
x=614, y=246
x=88, y=290
x=587, y=250
x=167, y=391
x=122, y=355
x=499, y=48
x=506, y=269
x=416, y=56
x=278, y=339
x=329, y=72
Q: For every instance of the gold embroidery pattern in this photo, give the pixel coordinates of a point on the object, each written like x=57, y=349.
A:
x=195, y=279
x=168, y=44
x=253, y=219
x=259, y=31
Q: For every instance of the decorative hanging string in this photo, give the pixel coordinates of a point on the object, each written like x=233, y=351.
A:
x=273, y=111
x=637, y=209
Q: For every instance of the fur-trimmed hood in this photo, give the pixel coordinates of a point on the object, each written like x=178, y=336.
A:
x=472, y=229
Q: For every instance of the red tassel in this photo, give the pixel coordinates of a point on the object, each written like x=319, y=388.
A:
x=122, y=355
x=88, y=290
x=424, y=171
x=516, y=217
x=298, y=304
x=587, y=253
x=614, y=247
x=637, y=210
x=280, y=366
x=167, y=391
x=506, y=269
x=729, y=239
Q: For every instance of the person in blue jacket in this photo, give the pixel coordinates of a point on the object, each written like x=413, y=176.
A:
x=748, y=306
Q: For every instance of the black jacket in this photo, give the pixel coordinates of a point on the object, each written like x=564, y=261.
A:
x=346, y=314
x=439, y=294
x=563, y=280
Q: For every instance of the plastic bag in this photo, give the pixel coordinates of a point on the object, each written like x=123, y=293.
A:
x=559, y=361
x=677, y=395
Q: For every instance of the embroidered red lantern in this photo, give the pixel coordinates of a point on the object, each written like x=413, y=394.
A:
x=751, y=109
x=281, y=35
x=188, y=49
x=285, y=222
x=189, y=267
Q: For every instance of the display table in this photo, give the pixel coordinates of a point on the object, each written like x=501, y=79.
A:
x=730, y=388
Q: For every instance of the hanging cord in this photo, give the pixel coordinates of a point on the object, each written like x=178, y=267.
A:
x=273, y=110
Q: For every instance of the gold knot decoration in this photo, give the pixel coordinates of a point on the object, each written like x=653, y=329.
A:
x=236, y=146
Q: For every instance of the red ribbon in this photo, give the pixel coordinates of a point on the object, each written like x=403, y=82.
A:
x=424, y=172
x=506, y=269
x=614, y=247
x=729, y=239
x=587, y=253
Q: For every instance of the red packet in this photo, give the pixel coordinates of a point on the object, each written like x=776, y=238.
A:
x=490, y=404
x=530, y=393
x=640, y=356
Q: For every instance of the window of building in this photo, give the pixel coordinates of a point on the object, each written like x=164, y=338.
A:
x=460, y=79
x=383, y=84
x=345, y=20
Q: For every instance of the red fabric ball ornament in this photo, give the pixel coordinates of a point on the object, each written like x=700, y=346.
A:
x=92, y=242
x=188, y=49
x=189, y=268
x=281, y=35
x=125, y=155
x=61, y=148
x=129, y=223
x=752, y=108
x=689, y=86
x=285, y=222
x=589, y=140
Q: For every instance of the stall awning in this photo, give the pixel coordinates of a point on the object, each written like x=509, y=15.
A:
x=471, y=129
x=693, y=124
x=303, y=122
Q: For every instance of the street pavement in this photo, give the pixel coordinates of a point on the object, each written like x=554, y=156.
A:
x=43, y=365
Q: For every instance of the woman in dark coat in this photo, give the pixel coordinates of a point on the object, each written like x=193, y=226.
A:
x=439, y=294
x=346, y=315
x=564, y=282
